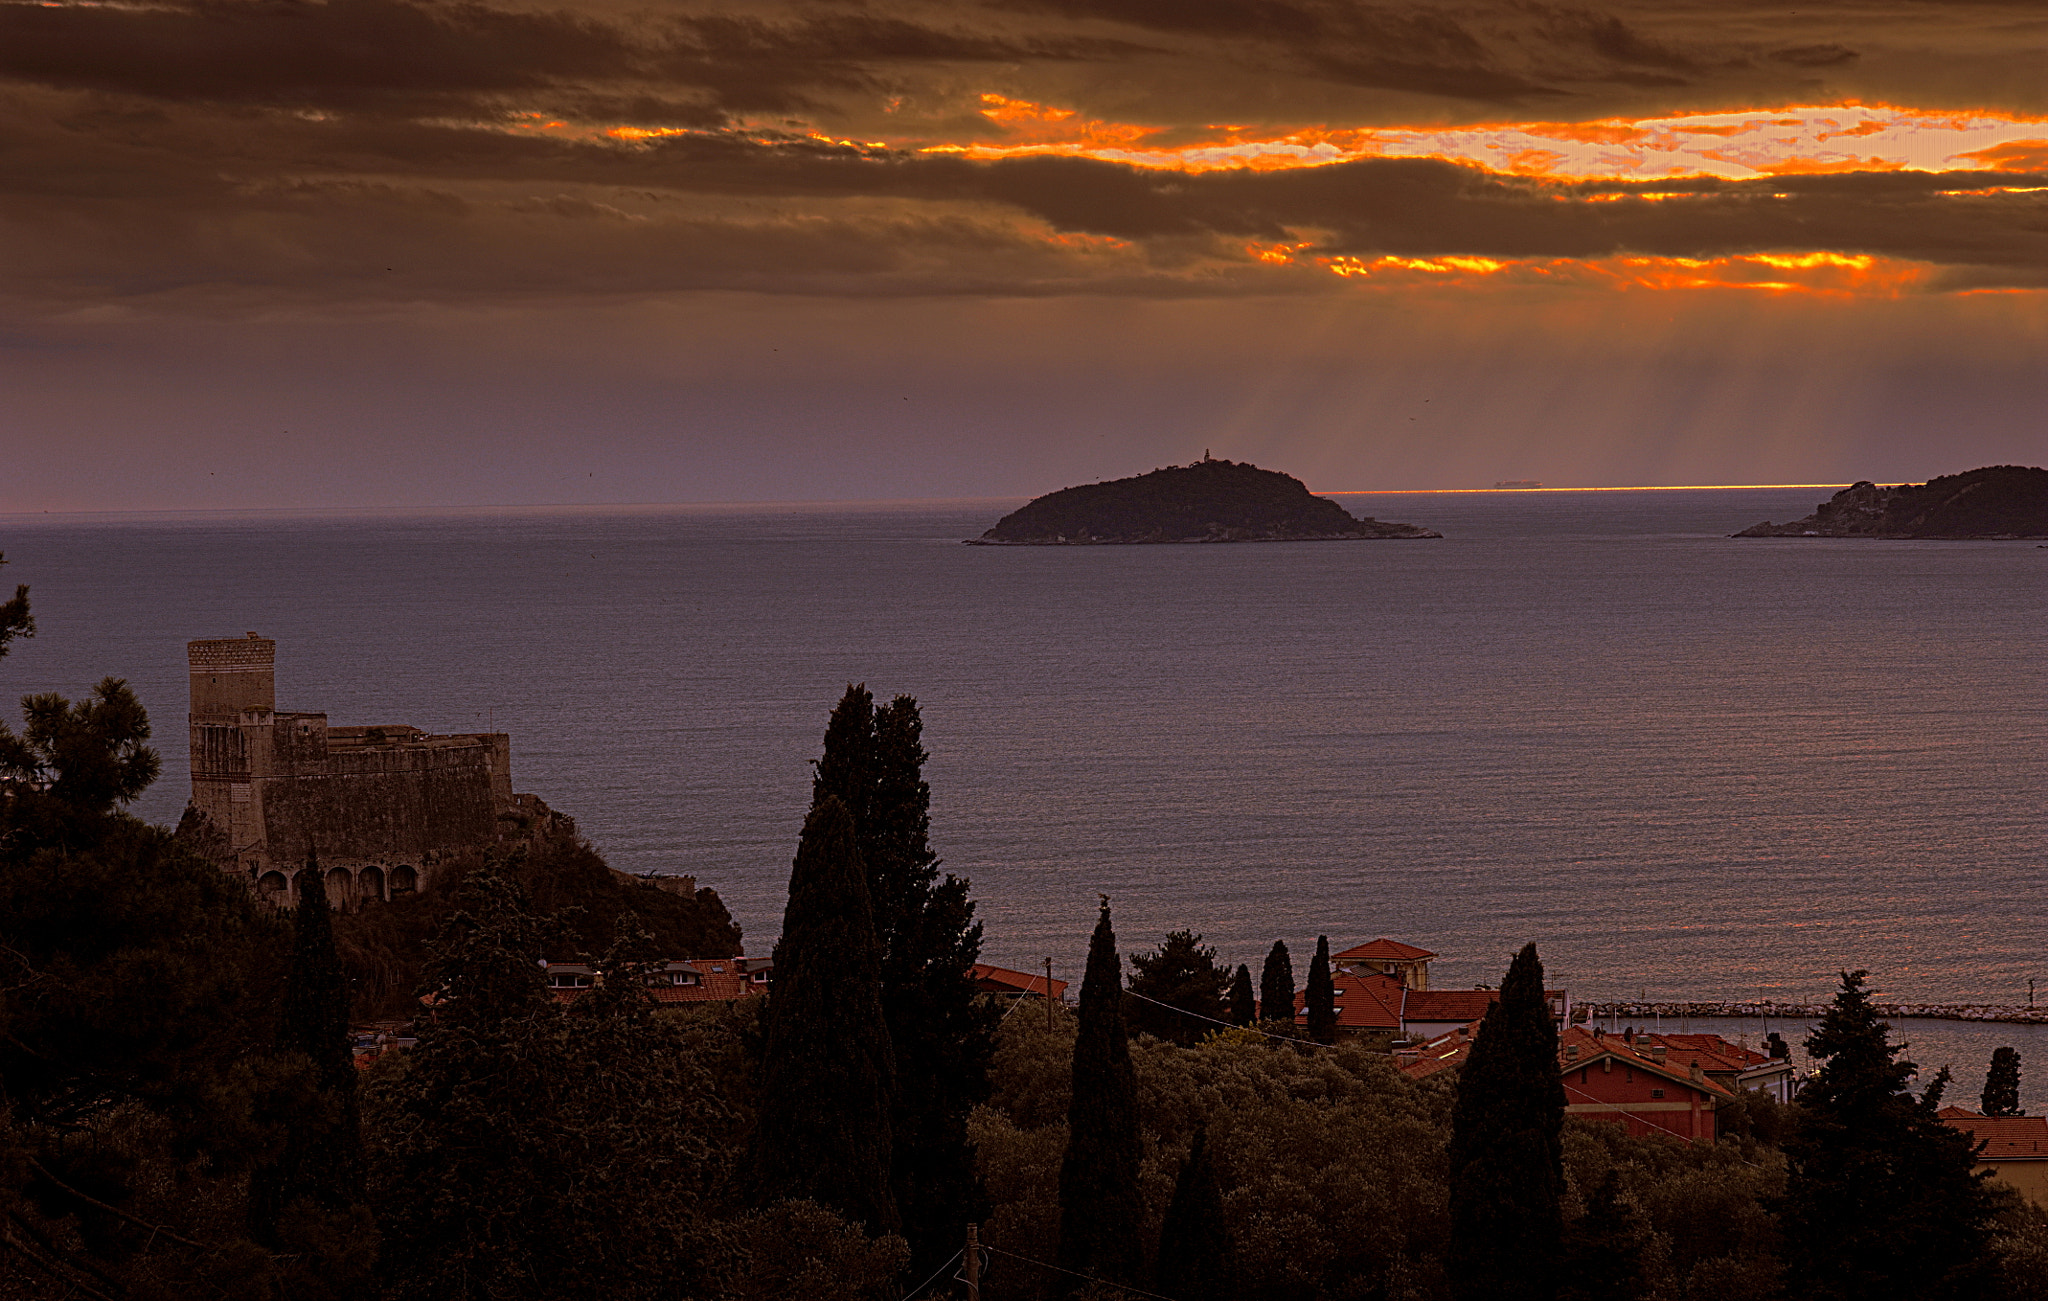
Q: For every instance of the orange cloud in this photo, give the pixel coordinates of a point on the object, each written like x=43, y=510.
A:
x=2012, y=156
x=1838, y=274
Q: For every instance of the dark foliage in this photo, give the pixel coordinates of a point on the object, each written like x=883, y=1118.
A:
x=941, y=1031
x=1276, y=985
x=1604, y=1248
x=1100, y=1206
x=828, y=1073
x=1506, y=1174
x=1182, y=974
x=1776, y=1048
x=565, y=882
x=15, y=619
x=1937, y=1088
x=528, y=1152
x=1196, y=1258
x=1880, y=1199
x=2001, y=1095
x=72, y=763
x=1244, y=1007
x=322, y=1161
x=1319, y=997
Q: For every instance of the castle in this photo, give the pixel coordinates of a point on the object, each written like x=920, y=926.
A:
x=379, y=806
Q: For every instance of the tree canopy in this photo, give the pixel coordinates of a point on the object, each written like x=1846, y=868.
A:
x=1178, y=991
x=1100, y=1204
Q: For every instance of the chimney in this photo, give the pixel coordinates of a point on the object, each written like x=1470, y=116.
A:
x=1571, y=1052
x=1656, y=1052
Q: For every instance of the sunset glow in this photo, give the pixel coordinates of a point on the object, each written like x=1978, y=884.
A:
x=1831, y=273
x=1735, y=145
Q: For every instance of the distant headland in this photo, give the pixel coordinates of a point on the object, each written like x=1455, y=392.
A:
x=1997, y=501
x=1207, y=501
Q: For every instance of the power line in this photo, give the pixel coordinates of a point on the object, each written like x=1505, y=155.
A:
x=935, y=1277
x=1125, y=1287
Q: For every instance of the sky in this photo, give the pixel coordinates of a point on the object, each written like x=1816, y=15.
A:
x=413, y=253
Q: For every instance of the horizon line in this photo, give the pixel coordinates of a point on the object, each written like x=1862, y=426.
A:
x=789, y=503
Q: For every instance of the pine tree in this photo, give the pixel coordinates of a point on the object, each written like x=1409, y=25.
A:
x=1182, y=975
x=1100, y=1209
x=1319, y=999
x=1931, y=1096
x=1276, y=985
x=322, y=1160
x=1880, y=1197
x=1506, y=1149
x=1244, y=1008
x=828, y=1072
x=1196, y=1259
x=942, y=1033
x=2002, y=1083
x=15, y=619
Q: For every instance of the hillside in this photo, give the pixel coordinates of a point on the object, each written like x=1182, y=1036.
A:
x=1997, y=501
x=1207, y=501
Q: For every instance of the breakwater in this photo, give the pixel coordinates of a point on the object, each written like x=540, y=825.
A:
x=2014, y=1014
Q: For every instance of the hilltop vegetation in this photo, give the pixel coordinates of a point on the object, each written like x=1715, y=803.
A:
x=1997, y=501
x=1208, y=501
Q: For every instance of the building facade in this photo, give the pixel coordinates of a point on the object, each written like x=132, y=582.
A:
x=379, y=807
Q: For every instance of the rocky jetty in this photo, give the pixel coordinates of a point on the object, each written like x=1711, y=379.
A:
x=1208, y=501
x=1998, y=501
x=2010, y=1013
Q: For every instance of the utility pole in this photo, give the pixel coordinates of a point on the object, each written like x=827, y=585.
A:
x=1048, y=994
x=973, y=1262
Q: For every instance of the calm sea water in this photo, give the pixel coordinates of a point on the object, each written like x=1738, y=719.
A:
x=1683, y=764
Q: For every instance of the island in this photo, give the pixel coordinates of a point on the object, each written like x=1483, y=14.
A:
x=1995, y=502
x=1207, y=501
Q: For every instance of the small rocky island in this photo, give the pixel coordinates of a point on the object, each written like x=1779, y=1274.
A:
x=1208, y=501
x=1997, y=501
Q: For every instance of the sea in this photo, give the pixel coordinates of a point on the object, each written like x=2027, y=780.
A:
x=1686, y=766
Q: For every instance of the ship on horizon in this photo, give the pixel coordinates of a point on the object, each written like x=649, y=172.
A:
x=1519, y=483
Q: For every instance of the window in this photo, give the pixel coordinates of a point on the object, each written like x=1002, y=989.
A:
x=1656, y=1093
x=759, y=977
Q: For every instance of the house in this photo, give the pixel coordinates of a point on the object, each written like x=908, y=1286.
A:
x=1730, y=1065
x=692, y=980
x=1422, y=1013
x=2014, y=1149
x=1638, y=1084
x=1404, y=962
x=1368, y=1007
x=1001, y=982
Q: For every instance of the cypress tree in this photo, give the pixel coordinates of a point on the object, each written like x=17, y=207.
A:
x=1881, y=1198
x=322, y=1160
x=1100, y=1209
x=1196, y=1259
x=1506, y=1151
x=2002, y=1084
x=1276, y=985
x=1320, y=998
x=1244, y=1008
x=942, y=1032
x=828, y=1072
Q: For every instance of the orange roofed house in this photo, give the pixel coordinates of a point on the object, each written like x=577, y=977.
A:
x=1643, y=1085
x=1383, y=995
x=2013, y=1148
x=1001, y=982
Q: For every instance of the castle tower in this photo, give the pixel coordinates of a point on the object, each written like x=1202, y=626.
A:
x=231, y=674
x=234, y=681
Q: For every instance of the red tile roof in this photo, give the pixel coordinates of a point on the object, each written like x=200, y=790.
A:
x=1449, y=1004
x=1001, y=980
x=1366, y=1000
x=1382, y=950
x=719, y=980
x=1452, y=1049
x=2005, y=1138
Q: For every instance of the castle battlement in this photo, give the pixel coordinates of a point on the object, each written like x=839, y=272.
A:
x=381, y=805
